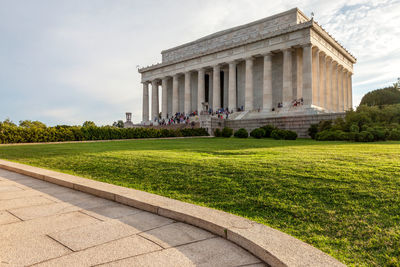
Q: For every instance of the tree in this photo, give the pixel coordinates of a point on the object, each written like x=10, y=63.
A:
x=386, y=96
x=32, y=124
x=89, y=124
x=8, y=122
x=396, y=85
x=119, y=124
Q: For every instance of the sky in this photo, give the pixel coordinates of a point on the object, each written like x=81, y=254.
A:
x=66, y=62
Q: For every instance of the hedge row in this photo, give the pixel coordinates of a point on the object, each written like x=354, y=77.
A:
x=262, y=132
x=268, y=131
x=18, y=134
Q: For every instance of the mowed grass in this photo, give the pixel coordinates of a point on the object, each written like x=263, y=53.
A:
x=343, y=198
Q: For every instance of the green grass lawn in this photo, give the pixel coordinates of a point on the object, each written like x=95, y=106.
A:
x=343, y=198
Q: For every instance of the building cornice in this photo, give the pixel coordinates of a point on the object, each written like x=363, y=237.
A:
x=332, y=41
x=237, y=28
x=311, y=24
x=293, y=28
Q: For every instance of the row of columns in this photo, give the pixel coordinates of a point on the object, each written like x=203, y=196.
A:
x=332, y=85
x=321, y=82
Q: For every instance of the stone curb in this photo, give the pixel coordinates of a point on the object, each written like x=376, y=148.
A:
x=272, y=246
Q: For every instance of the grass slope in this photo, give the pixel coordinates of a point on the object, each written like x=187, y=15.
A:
x=343, y=198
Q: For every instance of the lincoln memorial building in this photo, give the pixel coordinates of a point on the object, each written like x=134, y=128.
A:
x=283, y=65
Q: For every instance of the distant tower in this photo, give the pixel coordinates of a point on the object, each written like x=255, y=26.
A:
x=128, y=117
x=128, y=123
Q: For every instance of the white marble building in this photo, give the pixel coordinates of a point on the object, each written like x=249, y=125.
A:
x=262, y=67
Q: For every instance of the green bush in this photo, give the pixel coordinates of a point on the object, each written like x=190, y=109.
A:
x=354, y=128
x=217, y=132
x=324, y=125
x=290, y=135
x=313, y=130
x=227, y=132
x=268, y=130
x=364, y=136
x=241, y=133
x=379, y=133
x=366, y=124
x=10, y=133
x=257, y=133
x=334, y=135
x=394, y=134
x=279, y=134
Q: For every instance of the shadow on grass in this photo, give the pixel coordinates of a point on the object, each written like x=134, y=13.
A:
x=215, y=146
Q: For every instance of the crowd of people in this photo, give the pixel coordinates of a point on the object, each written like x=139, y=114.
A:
x=182, y=118
x=295, y=103
x=178, y=118
x=222, y=113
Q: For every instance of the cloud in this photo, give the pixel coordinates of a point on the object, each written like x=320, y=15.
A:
x=70, y=61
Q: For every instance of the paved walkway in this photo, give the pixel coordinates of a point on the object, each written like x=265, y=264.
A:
x=43, y=224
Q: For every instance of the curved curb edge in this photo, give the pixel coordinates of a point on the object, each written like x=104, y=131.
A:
x=271, y=246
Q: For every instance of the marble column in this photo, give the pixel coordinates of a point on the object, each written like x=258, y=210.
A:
x=307, y=75
x=322, y=81
x=232, y=86
x=267, y=82
x=145, y=105
x=200, y=90
x=350, y=91
x=287, y=90
x=187, y=103
x=340, y=88
x=328, y=99
x=216, y=88
x=175, y=95
x=154, y=100
x=164, y=100
x=334, y=86
x=299, y=75
x=345, y=95
x=248, y=94
x=316, y=88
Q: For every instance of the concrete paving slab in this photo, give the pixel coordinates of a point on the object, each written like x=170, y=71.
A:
x=94, y=202
x=217, y=252
x=254, y=265
x=6, y=218
x=32, y=212
x=11, y=176
x=73, y=197
x=176, y=234
x=56, y=190
x=30, y=183
x=145, y=221
x=111, y=251
x=8, y=188
x=210, y=252
x=19, y=194
x=45, y=225
x=91, y=235
x=111, y=211
x=166, y=258
x=27, y=251
x=23, y=202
